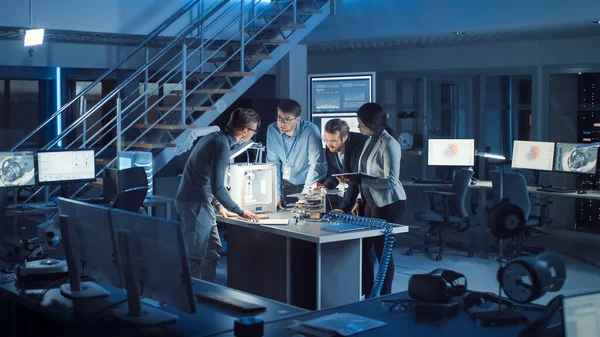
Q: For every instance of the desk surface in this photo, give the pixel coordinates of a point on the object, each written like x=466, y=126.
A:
x=35, y=208
x=310, y=230
x=399, y=323
x=207, y=320
x=484, y=184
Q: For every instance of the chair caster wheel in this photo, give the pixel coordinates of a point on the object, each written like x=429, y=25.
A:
x=438, y=258
x=408, y=253
x=470, y=255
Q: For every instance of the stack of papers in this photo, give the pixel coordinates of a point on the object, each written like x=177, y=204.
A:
x=339, y=323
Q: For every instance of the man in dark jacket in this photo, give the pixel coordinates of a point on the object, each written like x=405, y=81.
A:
x=342, y=153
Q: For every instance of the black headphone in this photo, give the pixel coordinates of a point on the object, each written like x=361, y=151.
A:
x=439, y=286
x=404, y=114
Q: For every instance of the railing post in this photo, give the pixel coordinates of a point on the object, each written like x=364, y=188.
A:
x=202, y=38
x=242, y=36
x=295, y=7
x=83, y=109
x=119, y=124
x=146, y=87
x=183, y=80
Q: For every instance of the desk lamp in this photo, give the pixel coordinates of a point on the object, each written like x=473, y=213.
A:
x=239, y=150
x=488, y=155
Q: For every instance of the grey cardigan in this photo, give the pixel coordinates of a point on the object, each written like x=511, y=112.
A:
x=383, y=163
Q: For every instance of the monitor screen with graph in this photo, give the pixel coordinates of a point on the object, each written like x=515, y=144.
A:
x=17, y=169
x=569, y=158
x=340, y=93
x=56, y=167
x=533, y=155
x=451, y=152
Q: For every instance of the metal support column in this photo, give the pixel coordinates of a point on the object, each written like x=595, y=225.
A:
x=183, y=80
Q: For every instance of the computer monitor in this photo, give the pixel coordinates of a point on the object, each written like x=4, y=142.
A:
x=154, y=264
x=581, y=314
x=451, y=152
x=90, y=248
x=66, y=166
x=533, y=155
x=569, y=158
x=17, y=169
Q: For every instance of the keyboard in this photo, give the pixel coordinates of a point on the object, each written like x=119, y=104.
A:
x=229, y=302
x=432, y=181
x=342, y=228
x=554, y=189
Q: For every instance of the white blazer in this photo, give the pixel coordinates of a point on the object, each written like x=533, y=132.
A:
x=383, y=163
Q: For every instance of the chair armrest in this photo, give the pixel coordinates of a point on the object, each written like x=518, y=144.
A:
x=442, y=193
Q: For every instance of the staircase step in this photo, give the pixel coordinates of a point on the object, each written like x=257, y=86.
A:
x=164, y=126
x=191, y=108
x=151, y=146
x=105, y=162
x=209, y=91
x=286, y=26
x=259, y=42
x=237, y=57
x=303, y=11
x=98, y=183
x=227, y=74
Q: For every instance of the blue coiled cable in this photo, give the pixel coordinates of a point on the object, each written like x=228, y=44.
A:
x=386, y=255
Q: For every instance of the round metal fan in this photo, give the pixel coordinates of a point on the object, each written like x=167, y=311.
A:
x=405, y=140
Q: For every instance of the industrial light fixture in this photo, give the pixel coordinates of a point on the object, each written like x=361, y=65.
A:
x=488, y=155
x=33, y=37
x=459, y=33
x=596, y=22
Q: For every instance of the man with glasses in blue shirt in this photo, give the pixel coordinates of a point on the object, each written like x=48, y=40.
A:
x=294, y=146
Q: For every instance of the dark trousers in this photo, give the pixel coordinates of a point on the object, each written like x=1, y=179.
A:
x=391, y=213
x=288, y=188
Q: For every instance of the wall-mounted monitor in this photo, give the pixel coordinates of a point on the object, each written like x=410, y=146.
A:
x=569, y=158
x=66, y=166
x=533, y=155
x=17, y=169
x=339, y=93
x=451, y=152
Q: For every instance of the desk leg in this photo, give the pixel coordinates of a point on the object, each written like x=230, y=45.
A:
x=169, y=211
x=257, y=263
x=339, y=273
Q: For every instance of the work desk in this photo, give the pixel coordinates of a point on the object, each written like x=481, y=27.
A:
x=302, y=264
x=68, y=315
x=399, y=323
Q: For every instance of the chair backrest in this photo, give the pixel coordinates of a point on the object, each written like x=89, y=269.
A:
x=514, y=188
x=116, y=181
x=131, y=199
x=3, y=204
x=460, y=186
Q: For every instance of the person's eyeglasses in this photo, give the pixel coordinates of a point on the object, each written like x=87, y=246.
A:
x=253, y=130
x=285, y=120
x=330, y=141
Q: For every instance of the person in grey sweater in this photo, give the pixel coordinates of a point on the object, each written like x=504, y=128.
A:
x=202, y=188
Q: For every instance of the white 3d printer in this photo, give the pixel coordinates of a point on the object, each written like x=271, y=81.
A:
x=253, y=187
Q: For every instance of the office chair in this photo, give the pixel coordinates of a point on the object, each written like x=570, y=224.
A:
x=116, y=181
x=131, y=199
x=454, y=215
x=515, y=190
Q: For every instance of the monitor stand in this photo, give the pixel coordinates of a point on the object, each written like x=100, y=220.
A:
x=136, y=313
x=76, y=289
x=536, y=178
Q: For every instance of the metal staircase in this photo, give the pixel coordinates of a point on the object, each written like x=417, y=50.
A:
x=179, y=90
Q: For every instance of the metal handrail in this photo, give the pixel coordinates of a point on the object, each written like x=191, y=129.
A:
x=157, y=31
x=138, y=72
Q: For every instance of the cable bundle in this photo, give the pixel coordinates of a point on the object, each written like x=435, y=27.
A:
x=386, y=255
